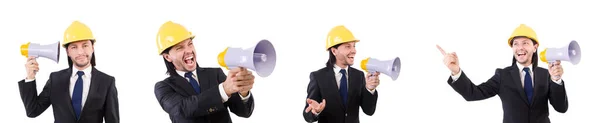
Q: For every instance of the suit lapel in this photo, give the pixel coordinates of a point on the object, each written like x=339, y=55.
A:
x=93, y=89
x=203, y=79
x=539, y=81
x=183, y=84
x=65, y=80
x=332, y=83
x=353, y=83
x=515, y=73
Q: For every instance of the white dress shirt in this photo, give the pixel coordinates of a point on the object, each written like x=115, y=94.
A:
x=224, y=96
x=338, y=77
x=521, y=73
x=86, y=77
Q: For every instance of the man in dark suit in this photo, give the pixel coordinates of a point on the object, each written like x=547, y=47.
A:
x=345, y=87
x=78, y=94
x=524, y=88
x=198, y=95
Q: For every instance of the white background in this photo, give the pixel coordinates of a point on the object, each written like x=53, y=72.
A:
x=477, y=31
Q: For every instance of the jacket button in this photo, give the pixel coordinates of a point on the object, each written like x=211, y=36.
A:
x=346, y=114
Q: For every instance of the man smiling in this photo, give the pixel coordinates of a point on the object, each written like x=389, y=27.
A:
x=78, y=94
x=524, y=88
x=339, y=87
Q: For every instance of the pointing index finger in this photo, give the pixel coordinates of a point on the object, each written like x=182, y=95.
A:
x=440, y=49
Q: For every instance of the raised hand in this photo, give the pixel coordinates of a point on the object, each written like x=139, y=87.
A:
x=372, y=80
x=555, y=70
x=450, y=60
x=31, y=66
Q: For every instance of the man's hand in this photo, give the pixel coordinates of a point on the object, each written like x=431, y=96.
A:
x=245, y=81
x=372, y=81
x=230, y=84
x=314, y=106
x=556, y=70
x=450, y=60
x=31, y=66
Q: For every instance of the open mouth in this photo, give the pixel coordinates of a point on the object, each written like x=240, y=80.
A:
x=189, y=60
x=520, y=54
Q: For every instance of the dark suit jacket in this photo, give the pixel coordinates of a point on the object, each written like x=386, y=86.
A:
x=102, y=100
x=507, y=84
x=323, y=85
x=177, y=97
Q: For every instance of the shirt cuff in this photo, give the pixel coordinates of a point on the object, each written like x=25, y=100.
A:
x=29, y=80
x=455, y=77
x=224, y=96
x=371, y=91
x=559, y=82
x=245, y=99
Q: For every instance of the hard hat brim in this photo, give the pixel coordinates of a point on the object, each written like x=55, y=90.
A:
x=510, y=40
x=356, y=40
x=65, y=45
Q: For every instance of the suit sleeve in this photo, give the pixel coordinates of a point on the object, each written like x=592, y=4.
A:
x=558, y=96
x=368, y=102
x=314, y=93
x=34, y=104
x=188, y=107
x=472, y=92
x=235, y=103
x=111, y=111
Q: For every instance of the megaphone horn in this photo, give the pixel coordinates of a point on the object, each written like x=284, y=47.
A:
x=50, y=51
x=260, y=58
x=571, y=53
x=388, y=67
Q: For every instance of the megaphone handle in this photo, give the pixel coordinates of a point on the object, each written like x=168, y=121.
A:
x=552, y=65
x=35, y=58
x=372, y=73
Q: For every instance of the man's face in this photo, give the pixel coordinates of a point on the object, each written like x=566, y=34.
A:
x=523, y=49
x=345, y=53
x=183, y=56
x=80, y=52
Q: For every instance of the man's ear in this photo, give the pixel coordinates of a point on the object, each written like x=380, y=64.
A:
x=536, y=47
x=166, y=56
x=333, y=51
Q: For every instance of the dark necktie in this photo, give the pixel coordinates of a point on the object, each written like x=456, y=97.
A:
x=193, y=81
x=528, y=85
x=77, y=95
x=344, y=87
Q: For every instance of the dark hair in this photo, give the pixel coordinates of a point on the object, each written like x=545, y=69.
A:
x=170, y=66
x=71, y=62
x=332, y=58
x=534, y=59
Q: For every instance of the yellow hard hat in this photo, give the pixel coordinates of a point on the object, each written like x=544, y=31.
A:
x=170, y=34
x=337, y=35
x=77, y=31
x=523, y=30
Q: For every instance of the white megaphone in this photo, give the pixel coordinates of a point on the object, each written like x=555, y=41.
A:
x=50, y=51
x=388, y=67
x=260, y=58
x=571, y=53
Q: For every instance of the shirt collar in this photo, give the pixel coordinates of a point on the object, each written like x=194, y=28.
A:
x=86, y=72
x=337, y=69
x=182, y=73
x=521, y=67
